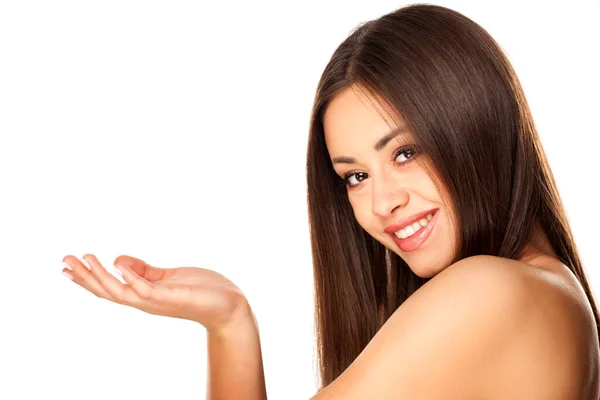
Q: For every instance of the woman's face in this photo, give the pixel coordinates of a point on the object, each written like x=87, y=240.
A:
x=385, y=186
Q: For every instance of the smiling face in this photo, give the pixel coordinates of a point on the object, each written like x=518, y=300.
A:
x=386, y=184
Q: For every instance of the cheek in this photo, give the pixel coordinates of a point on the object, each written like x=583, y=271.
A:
x=448, y=232
x=362, y=213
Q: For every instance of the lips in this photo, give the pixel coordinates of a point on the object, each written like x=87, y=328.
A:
x=415, y=241
x=407, y=221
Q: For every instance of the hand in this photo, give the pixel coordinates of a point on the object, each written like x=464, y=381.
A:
x=193, y=293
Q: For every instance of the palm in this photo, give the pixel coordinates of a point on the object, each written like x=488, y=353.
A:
x=197, y=291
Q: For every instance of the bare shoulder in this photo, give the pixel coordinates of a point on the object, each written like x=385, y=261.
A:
x=554, y=346
x=482, y=328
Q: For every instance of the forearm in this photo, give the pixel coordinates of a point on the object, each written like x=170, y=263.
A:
x=235, y=368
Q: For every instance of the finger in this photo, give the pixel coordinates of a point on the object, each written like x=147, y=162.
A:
x=83, y=277
x=67, y=271
x=153, y=298
x=120, y=293
x=141, y=268
x=144, y=289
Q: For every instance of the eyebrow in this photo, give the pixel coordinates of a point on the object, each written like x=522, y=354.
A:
x=402, y=129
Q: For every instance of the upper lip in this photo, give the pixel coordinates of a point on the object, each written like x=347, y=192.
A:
x=407, y=221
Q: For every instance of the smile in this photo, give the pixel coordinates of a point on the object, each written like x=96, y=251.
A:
x=414, y=227
x=412, y=236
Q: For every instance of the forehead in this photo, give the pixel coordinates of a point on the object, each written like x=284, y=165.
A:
x=354, y=117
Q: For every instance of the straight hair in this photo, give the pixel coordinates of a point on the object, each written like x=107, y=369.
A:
x=464, y=105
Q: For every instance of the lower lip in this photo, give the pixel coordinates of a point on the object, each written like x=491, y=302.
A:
x=413, y=242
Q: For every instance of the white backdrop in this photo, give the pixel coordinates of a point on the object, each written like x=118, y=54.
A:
x=176, y=132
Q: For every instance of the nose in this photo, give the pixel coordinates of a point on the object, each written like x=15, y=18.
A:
x=387, y=196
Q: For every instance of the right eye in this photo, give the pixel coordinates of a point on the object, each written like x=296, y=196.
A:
x=353, y=175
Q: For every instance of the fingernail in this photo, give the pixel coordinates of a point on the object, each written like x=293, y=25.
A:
x=118, y=270
x=84, y=262
x=67, y=275
x=67, y=266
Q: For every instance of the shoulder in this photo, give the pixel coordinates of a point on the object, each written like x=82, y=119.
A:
x=466, y=333
x=492, y=278
x=551, y=334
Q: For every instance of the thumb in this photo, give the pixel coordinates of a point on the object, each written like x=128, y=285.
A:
x=140, y=267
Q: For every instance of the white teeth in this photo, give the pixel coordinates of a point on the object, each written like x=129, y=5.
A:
x=414, y=227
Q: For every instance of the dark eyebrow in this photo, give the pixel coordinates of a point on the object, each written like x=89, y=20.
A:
x=378, y=146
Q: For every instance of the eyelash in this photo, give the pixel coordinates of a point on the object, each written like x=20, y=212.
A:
x=395, y=154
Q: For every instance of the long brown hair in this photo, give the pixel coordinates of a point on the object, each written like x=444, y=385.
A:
x=462, y=101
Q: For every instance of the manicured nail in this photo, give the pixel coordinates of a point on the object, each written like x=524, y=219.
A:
x=84, y=262
x=118, y=270
x=67, y=266
x=67, y=275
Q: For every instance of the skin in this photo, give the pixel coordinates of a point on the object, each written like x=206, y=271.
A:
x=483, y=328
x=554, y=340
x=196, y=294
x=389, y=193
x=545, y=344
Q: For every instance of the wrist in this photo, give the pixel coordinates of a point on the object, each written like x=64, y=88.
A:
x=242, y=319
x=235, y=369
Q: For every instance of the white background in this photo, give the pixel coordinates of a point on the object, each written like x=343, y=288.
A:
x=176, y=132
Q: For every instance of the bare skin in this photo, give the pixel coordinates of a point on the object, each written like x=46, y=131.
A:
x=196, y=294
x=576, y=339
x=484, y=328
x=529, y=335
x=534, y=308
x=207, y=297
x=548, y=275
x=200, y=295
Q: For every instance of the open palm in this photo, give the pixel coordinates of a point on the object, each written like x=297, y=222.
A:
x=193, y=293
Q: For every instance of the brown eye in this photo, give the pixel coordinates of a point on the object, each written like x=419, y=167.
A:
x=407, y=152
x=354, y=175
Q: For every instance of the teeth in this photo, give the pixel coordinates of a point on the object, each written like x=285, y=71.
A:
x=414, y=227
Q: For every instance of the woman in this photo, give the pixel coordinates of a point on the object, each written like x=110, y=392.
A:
x=444, y=263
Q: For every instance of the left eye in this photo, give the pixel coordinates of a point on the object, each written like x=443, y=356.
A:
x=402, y=152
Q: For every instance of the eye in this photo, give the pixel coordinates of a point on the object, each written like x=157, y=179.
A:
x=353, y=175
x=404, y=151
x=404, y=154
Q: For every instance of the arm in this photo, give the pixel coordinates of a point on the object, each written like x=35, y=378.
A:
x=444, y=342
x=235, y=369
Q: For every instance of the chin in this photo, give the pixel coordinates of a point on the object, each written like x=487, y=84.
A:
x=424, y=273
x=420, y=264
x=425, y=269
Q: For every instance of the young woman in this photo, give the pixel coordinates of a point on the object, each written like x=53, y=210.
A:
x=444, y=264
